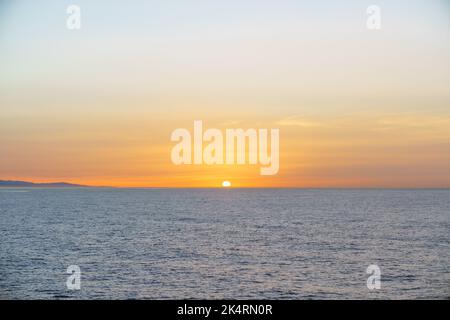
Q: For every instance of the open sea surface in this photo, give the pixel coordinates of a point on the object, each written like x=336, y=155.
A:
x=224, y=243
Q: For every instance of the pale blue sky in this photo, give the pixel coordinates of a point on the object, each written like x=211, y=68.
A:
x=285, y=57
x=297, y=48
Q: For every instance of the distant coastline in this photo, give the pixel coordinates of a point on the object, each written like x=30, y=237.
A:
x=27, y=184
x=22, y=184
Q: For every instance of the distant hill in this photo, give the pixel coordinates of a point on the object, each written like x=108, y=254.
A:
x=9, y=183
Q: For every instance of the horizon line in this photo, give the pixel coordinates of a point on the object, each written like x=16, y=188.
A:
x=77, y=185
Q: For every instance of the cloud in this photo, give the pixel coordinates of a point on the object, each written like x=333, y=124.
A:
x=413, y=122
x=296, y=121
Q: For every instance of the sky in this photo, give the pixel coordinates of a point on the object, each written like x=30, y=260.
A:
x=355, y=107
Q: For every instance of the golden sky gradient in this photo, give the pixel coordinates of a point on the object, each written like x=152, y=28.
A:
x=355, y=108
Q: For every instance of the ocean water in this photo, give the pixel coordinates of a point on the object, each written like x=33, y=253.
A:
x=224, y=243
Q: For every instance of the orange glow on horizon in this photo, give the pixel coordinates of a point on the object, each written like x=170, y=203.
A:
x=362, y=151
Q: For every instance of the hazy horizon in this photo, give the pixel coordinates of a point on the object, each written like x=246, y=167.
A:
x=217, y=187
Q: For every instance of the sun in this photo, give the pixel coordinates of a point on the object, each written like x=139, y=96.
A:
x=226, y=184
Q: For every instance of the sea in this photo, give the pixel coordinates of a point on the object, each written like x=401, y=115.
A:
x=224, y=243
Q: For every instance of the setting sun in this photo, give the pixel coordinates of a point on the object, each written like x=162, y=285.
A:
x=226, y=184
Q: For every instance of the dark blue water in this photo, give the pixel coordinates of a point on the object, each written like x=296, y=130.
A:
x=214, y=243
